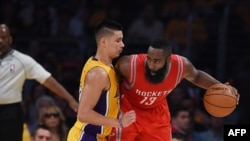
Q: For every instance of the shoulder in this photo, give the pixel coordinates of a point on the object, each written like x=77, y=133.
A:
x=133, y=58
x=21, y=56
x=122, y=65
x=123, y=59
x=17, y=53
x=97, y=71
x=183, y=59
x=189, y=68
x=97, y=75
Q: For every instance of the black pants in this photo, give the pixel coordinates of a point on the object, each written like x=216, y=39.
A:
x=11, y=122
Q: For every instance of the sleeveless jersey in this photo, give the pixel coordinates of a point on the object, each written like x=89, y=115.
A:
x=108, y=102
x=143, y=94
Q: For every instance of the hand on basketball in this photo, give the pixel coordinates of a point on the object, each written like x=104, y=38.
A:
x=128, y=118
x=234, y=90
x=220, y=100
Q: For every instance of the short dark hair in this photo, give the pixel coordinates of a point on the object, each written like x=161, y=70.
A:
x=178, y=135
x=105, y=27
x=177, y=109
x=162, y=43
x=40, y=126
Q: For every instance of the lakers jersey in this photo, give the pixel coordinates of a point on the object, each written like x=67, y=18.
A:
x=108, y=102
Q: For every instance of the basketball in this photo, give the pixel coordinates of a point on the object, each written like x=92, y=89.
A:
x=220, y=100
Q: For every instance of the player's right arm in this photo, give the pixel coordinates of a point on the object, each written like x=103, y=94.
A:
x=95, y=82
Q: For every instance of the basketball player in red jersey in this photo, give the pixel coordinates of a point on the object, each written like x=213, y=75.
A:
x=147, y=81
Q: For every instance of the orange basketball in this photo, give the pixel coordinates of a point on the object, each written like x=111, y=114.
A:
x=220, y=100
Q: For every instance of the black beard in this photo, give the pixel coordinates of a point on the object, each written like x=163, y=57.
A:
x=159, y=74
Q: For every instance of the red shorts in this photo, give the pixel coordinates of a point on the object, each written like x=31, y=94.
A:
x=151, y=124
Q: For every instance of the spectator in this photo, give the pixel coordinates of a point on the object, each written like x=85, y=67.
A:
x=182, y=123
x=34, y=109
x=215, y=132
x=178, y=137
x=52, y=117
x=200, y=116
x=41, y=133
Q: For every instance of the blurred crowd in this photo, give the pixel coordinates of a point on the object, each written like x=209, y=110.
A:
x=59, y=35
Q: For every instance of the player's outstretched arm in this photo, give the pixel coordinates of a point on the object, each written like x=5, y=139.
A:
x=201, y=78
x=198, y=77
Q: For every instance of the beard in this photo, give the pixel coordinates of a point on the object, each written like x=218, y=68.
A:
x=158, y=76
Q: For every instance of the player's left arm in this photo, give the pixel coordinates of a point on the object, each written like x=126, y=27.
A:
x=202, y=79
x=198, y=77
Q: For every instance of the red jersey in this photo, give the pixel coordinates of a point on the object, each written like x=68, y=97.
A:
x=143, y=94
x=148, y=100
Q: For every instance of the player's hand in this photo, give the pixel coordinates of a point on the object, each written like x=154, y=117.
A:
x=234, y=90
x=127, y=118
x=73, y=105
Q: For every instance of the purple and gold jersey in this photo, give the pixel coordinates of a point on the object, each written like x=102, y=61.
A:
x=107, y=106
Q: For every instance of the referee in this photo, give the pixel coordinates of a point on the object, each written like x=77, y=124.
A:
x=15, y=68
